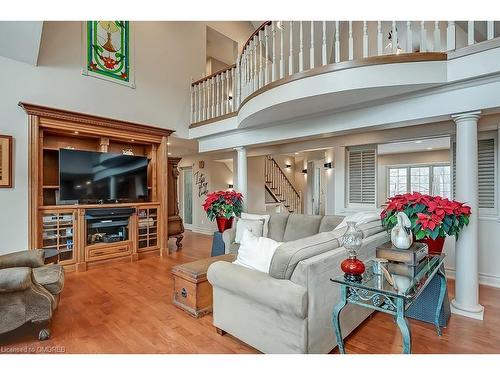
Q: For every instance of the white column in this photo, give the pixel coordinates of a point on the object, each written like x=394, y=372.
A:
x=330, y=182
x=242, y=174
x=466, y=300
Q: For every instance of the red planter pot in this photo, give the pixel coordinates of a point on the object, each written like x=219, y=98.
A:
x=435, y=246
x=224, y=224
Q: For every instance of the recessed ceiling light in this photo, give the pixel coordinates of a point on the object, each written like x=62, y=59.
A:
x=419, y=141
x=170, y=153
x=296, y=153
x=76, y=132
x=429, y=148
x=132, y=140
x=168, y=143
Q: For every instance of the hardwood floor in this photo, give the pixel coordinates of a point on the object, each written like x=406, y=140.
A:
x=126, y=308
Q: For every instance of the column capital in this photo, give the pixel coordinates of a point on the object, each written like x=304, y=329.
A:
x=240, y=148
x=473, y=115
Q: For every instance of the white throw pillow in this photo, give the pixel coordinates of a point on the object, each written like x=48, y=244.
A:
x=360, y=218
x=254, y=226
x=256, y=252
x=266, y=218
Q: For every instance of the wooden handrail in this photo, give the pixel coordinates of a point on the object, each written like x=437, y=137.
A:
x=261, y=27
x=284, y=175
x=213, y=75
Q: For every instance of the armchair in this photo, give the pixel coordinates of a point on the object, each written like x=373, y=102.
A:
x=29, y=290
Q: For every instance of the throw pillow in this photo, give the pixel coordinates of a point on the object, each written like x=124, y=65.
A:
x=254, y=226
x=362, y=217
x=256, y=252
x=266, y=218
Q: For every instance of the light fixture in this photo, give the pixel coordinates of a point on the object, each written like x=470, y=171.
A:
x=304, y=171
x=132, y=140
x=230, y=186
x=429, y=148
x=169, y=153
x=288, y=166
x=76, y=132
x=419, y=141
x=296, y=153
x=168, y=143
x=328, y=165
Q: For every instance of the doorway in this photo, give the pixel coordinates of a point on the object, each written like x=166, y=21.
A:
x=187, y=197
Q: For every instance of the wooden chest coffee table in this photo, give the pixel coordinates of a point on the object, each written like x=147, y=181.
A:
x=192, y=291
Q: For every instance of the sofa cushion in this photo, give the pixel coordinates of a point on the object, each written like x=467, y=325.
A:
x=370, y=229
x=253, y=226
x=329, y=222
x=300, y=226
x=25, y=258
x=287, y=256
x=277, y=226
x=51, y=277
x=15, y=279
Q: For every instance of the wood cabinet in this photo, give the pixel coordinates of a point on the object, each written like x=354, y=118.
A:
x=58, y=225
x=175, y=225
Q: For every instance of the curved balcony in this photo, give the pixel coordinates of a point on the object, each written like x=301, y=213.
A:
x=297, y=68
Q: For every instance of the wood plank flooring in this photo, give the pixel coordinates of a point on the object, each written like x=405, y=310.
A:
x=126, y=308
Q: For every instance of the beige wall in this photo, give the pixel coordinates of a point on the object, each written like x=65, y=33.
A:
x=161, y=97
x=384, y=161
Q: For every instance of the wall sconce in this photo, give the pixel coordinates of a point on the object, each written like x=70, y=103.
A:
x=304, y=171
x=328, y=165
x=288, y=166
x=230, y=186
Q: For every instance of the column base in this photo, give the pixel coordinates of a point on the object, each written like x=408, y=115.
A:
x=475, y=312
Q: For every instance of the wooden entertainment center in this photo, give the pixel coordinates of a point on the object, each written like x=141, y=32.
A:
x=66, y=227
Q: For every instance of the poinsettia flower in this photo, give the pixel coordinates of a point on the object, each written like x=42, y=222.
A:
x=428, y=221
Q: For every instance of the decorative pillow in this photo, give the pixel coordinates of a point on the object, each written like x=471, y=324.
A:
x=266, y=218
x=254, y=226
x=256, y=252
x=360, y=218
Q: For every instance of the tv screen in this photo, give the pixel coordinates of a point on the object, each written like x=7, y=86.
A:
x=94, y=176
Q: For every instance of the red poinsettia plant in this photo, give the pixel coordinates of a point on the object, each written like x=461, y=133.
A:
x=223, y=204
x=430, y=216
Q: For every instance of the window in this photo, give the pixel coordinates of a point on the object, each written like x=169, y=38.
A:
x=425, y=179
x=398, y=181
x=361, y=176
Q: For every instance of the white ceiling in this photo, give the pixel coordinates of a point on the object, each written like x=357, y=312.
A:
x=20, y=40
x=417, y=145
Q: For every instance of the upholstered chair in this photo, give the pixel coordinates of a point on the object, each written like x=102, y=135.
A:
x=29, y=290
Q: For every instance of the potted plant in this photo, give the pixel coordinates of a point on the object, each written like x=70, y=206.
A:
x=223, y=206
x=432, y=217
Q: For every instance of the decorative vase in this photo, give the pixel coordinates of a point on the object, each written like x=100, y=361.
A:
x=224, y=223
x=401, y=234
x=435, y=246
x=352, y=267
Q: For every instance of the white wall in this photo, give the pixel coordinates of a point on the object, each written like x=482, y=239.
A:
x=218, y=177
x=167, y=55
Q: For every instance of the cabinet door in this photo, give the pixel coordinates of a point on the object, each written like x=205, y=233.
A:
x=147, y=227
x=58, y=229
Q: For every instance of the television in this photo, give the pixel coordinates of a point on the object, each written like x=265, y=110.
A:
x=88, y=176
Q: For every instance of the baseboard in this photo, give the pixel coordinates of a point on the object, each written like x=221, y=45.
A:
x=484, y=279
x=202, y=230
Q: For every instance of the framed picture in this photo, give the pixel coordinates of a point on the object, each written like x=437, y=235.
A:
x=5, y=161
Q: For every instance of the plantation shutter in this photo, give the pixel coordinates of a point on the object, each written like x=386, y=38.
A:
x=361, y=167
x=486, y=172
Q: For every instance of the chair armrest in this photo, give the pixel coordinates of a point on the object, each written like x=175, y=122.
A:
x=26, y=258
x=15, y=279
x=259, y=287
x=228, y=237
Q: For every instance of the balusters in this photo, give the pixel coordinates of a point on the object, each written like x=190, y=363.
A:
x=490, y=30
x=255, y=64
x=301, y=48
x=273, y=65
x=290, y=57
x=217, y=94
x=204, y=116
x=379, y=39
x=198, y=117
x=450, y=36
x=409, y=38
x=437, y=37
x=365, y=39
x=323, y=46
x=266, y=65
x=337, y=41
x=261, y=58
x=234, y=87
x=423, y=37
x=223, y=93
x=311, y=49
x=470, y=33
x=228, y=82
x=351, y=42
x=282, y=52
x=394, y=38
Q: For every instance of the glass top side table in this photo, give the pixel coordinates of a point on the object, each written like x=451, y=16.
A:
x=375, y=292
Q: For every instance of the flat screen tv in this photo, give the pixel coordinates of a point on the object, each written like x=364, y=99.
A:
x=97, y=176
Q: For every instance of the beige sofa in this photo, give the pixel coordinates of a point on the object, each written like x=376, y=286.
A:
x=290, y=309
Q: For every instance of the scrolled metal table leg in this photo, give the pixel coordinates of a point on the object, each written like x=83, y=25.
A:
x=403, y=326
x=336, y=318
x=442, y=293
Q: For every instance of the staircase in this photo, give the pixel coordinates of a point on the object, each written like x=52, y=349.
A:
x=280, y=187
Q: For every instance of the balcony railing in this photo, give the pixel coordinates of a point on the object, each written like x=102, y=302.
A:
x=279, y=49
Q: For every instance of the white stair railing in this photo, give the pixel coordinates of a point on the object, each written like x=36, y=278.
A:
x=278, y=49
x=280, y=186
